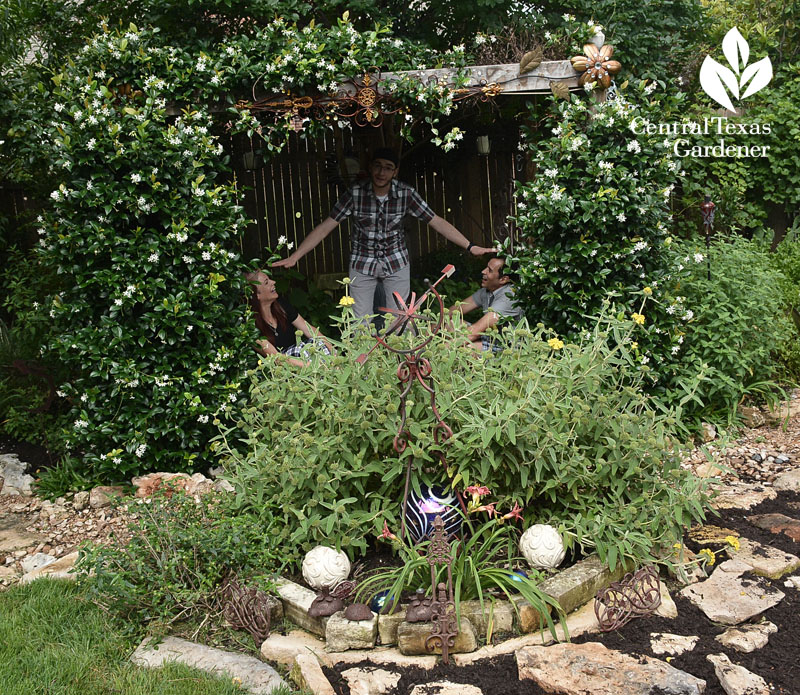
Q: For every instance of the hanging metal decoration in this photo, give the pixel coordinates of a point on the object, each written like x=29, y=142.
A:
x=637, y=594
x=596, y=65
x=366, y=100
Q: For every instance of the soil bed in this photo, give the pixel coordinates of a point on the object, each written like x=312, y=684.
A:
x=497, y=676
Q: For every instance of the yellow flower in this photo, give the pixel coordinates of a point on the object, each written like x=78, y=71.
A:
x=634, y=345
x=555, y=343
x=346, y=301
x=648, y=291
x=638, y=318
x=237, y=681
x=708, y=555
x=732, y=541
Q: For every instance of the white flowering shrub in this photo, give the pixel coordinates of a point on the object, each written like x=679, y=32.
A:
x=593, y=226
x=149, y=318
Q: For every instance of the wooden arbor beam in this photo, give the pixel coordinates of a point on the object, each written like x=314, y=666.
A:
x=505, y=76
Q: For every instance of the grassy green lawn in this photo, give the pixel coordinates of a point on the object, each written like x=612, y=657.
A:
x=54, y=642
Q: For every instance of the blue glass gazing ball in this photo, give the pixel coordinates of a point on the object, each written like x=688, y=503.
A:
x=422, y=510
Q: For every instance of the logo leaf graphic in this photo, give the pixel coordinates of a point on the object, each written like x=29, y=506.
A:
x=733, y=46
x=761, y=74
x=712, y=76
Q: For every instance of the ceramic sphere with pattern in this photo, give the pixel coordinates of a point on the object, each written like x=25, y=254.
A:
x=324, y=566
x=542, y=547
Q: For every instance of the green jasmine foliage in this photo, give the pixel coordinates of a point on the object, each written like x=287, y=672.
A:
x=563, y=431
x=54, y=640
x=595, y=220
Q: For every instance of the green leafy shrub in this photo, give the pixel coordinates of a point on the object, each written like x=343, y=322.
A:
x=565, y=433
x=786, y=260
x=738, y=322
x=180, y=552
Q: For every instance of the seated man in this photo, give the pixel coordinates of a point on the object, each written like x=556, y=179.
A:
x=496, y=299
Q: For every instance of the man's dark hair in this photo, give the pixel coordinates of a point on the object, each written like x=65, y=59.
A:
x=386, y=153
x=506, y=270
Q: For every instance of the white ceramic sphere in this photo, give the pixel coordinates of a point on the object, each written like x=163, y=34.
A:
x=324, y=566
x=542, y=547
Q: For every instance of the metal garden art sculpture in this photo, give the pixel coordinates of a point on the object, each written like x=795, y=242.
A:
x=637, y=594
x=416, y=368
x=248, y=609
x=366, y=100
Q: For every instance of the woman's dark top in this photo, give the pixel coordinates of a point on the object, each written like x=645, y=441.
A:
x=283, y=336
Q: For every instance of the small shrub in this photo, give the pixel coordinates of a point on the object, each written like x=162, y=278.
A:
x=738, y=323
x=180, y=552
x=565, y=433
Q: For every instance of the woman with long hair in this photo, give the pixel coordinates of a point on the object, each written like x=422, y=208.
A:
x=277, y=320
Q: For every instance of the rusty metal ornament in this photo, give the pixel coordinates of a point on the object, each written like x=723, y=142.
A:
x=325, y=604
x=358, y=612
x=415, y=369
x=596, y=65
x=248, y=610
x=443, y=609
x=637, y=594
x=366, y=99
x=419, y=610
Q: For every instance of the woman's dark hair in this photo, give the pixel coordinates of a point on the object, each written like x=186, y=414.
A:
x=277, y=311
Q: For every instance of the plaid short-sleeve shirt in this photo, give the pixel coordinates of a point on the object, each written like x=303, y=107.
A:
x=378, y=240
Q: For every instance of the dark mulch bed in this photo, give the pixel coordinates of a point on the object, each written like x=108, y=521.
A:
x=35, y=456
x=786, y=503
x=778, y=662
x=496, y=676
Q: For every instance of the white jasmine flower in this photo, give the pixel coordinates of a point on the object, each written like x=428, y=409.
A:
x=153, y=258
x=689, y=315
x=699, y=258
x=136, y=178
x=621, y=217
x=81, y=424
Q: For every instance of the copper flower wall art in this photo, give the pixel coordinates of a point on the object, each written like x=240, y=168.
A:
x=596, y=65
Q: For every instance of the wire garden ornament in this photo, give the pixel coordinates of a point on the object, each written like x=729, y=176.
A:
x=637, y=594
x=248, y=610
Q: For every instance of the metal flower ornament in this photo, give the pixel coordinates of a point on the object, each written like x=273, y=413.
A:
x=596, y=65
x=740, y=80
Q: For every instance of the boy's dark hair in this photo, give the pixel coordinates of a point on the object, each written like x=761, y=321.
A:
x=386, y=153
x=507, y=270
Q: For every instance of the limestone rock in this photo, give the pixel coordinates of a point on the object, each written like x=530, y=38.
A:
x=12, y=539
x=255, y=675
x=709, y=432
x=742, y=496
x=60, y=569
x=790, y=480
x=572, y=587
x=296, y=601
x=374, y=681
x=411, y=638
x=764, y=559
x=81, y=500
x=283, y=649
x=388, y=624
x=777, y=523
x=103, y=495
x=34, y=562
x=13, y=478
x=445, y=688
x=792, y=583
x=499, y=613
x=747, y=638
x=307, y=673
x=737, y=680
x=576, y=669
x=751, y=416
x=667, y=608
x=708, y=534
x=342, y=634
x=665, y=643
x=727, y=598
